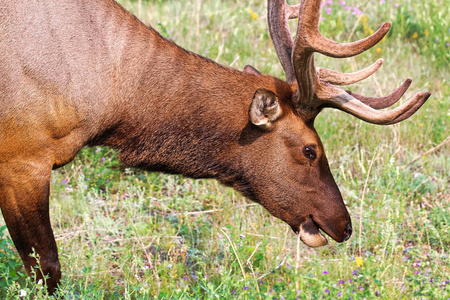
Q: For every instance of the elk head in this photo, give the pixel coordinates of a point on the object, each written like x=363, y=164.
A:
x=310, y=199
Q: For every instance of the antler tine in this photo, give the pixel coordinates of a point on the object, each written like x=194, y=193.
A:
x=334, y=49
x=339, y=78
x=383, y=102
x=338, y=98
x=308, y=27
x=413, y=109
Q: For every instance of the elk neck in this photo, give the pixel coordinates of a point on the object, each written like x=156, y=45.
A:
x=178, y=112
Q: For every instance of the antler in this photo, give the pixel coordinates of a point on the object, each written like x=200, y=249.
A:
x=315, y=85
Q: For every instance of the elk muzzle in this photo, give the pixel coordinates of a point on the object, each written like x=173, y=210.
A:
x=310, y=233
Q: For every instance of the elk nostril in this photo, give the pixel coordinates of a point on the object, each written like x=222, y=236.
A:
x=348, y=231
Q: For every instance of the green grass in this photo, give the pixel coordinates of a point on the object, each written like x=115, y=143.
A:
x=135, y=235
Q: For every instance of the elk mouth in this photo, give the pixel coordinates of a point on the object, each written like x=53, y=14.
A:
x=309, y=233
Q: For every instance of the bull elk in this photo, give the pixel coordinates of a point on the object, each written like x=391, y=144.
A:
x=87, y=72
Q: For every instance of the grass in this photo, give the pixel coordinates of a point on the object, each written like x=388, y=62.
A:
x=134, y=235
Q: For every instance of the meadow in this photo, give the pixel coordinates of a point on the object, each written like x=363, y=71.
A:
x=128, y=234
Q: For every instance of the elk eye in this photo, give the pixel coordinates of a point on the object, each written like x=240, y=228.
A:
x=309, y=153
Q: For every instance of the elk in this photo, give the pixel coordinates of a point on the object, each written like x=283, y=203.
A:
x=87, y=72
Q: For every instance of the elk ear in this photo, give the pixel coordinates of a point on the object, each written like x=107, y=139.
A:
x=264, y=109
x=251, y=70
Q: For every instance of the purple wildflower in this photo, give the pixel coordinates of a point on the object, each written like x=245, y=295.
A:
x=356, y=11
x=245, y=287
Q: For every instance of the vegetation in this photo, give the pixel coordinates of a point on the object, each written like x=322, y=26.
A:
x=129, y=234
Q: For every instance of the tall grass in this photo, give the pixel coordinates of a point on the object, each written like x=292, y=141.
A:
x=134, y=235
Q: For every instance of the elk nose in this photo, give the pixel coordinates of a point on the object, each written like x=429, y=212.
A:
x=348, y=231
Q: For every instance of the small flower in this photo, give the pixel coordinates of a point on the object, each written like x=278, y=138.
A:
x=325, y=272
x=233, y=291
x=185, y=278
x=22, y=293
x=356, y=11
x=253, y=15
x=245, y=287
x=359, y=261
x=415, y=35
x=339, y=294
